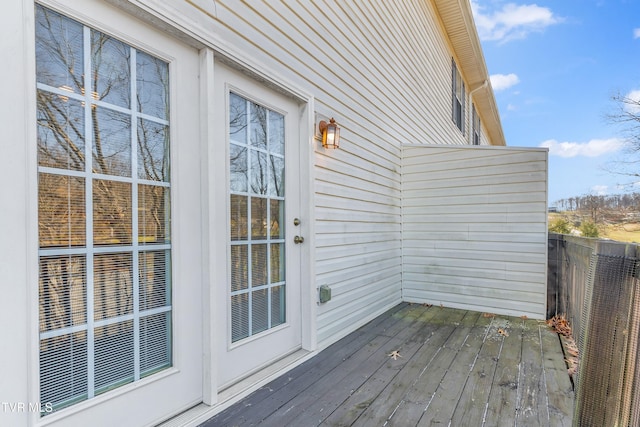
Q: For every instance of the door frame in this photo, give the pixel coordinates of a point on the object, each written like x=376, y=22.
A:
x=215, y=170
x=186, y=262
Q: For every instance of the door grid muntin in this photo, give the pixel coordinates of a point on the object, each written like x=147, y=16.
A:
x=257, y=203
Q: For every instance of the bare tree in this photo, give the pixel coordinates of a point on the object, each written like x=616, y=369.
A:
x=626, y=117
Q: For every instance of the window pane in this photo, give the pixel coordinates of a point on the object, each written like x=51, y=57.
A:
x=153, y=151
x=59, y=58
x=258, y=265
x=259, y=180
x=112, y=142
x=239, y=317
x=259, y=311
x=237, y=119
x=62, y=286
x=277, y=219
x=110, y=70
x=258, y=126
x=155, y=343
x=276, y=133
x=113, y=356
x=239, y=217
x=113, y=285
x=111, y=212
x=61, y=211
x=152, y=84
x=278, y=309
x=153, y=214
x=276, y=175
x=277, y=262
x=238, y=168
x=63, y=369
x=258, y=218
x=239, y=267
x=60, y=132
x=155, y=282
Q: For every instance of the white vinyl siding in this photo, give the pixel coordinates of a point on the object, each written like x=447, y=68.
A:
x=474, y=228
x=367, y=66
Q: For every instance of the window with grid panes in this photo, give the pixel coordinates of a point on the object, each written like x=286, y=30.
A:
x=475, y=121
x=457, y=95
x=103, y=211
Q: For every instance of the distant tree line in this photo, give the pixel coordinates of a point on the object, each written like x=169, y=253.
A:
x=629, y=201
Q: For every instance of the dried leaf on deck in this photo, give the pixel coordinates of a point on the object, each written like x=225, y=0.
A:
x=395, y=354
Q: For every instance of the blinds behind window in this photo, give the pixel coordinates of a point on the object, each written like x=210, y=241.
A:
x=103, y=211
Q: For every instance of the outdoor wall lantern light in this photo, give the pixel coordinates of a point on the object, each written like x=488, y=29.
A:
x=330, y=133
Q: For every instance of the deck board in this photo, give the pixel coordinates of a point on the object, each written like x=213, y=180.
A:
x=456, y=368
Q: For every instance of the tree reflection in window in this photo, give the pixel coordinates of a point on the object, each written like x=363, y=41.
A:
x=257, y=171
x=103, y=211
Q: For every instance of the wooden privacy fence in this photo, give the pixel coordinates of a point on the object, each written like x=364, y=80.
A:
x=596, y=285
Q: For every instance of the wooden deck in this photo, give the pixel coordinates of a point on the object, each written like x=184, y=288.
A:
x=456, y=368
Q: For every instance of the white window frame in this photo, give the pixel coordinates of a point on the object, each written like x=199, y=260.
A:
x=457, y=97
x=476, y=124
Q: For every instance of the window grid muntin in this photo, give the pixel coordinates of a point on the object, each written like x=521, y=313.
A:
x=90, y=102
x=476, y=133
x=253, y=149
x=458, y=95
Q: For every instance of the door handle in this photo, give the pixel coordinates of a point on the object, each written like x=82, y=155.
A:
x=297, y=240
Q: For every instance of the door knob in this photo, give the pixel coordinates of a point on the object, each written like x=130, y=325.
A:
x=298, y=240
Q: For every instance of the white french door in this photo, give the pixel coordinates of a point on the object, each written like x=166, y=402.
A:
x=119, y=257
x=259, y=306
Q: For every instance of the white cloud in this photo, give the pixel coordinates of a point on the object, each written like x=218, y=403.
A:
x=600, y=190
x=512, y=21
x=503, y=81
x=633, y=104
x=593, y=148
x=636, y=33
x=511, y=107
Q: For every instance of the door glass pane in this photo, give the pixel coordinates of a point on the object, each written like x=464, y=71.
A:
x=111, y=212
x=258, y=130
x=153, y=214
x=60, y=132
x=258, y=218
x=93, y=337
x=153, y=150
x=62, y=210
x=276, y=223
x=238, y=168
x=113, y=289
x=257, y=171
x=239, y=217
x=152, y=86
x=111, y=142
x=110, y=70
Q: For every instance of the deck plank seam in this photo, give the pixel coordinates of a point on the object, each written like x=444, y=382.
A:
x=493, y=381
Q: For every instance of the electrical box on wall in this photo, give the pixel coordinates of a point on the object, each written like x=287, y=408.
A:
x=324, y=293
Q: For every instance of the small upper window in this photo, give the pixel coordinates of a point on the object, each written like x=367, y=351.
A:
x=457, y=89
x=475, y=122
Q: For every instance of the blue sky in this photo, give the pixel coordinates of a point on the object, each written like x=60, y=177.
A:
x=554, y=66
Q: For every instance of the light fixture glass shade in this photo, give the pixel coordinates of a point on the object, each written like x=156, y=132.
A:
x=330, y=134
